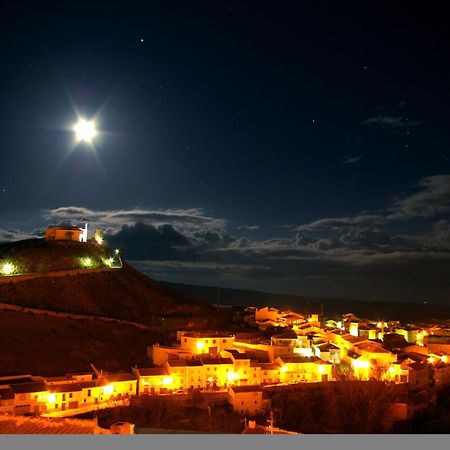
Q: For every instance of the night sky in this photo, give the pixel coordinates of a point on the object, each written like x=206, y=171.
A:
x=293, y=147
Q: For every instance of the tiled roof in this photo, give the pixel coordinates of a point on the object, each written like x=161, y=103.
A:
x=68, y=387
x=327, y=347
x=300, y=359
x=40, y=425
x=236, y=355
x=371, y=347
x=152, y=371
x=55, y=379
x=193, y=363
x=91, y=384
x=25, y=388
x=121, y=376
x=354, y=339
x=176, y=363
x=214, y=361
x=15, y=380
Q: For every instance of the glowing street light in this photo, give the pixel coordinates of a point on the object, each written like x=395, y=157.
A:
x=361, y=364
x=51, y=398
x=85, y=130
x=87, y=262
x=200, y=345
x=232, y=376
x=7, y=268
x=109, y=389
x=167, y=380
x=116, y=251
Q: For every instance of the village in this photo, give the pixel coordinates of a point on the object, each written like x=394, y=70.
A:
x=243, y=366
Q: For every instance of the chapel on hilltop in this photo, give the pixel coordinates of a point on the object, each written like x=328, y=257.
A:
x=66, y=233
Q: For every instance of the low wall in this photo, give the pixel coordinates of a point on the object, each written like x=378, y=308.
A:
x=56, y=273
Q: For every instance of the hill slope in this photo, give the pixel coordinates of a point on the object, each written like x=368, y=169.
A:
x=54, y=345
x=61, y=285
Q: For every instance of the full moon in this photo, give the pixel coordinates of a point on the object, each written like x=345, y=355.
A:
x=85, y=130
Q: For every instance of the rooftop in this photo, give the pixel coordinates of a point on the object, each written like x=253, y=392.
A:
x=152, y=371
x=371, y=347
x=213, y=361
x=301, y=359
x=68, y=387
x=24, y=388
x=237, y=355
x=121, y=376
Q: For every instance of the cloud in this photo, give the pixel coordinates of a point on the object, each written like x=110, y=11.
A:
x=432, y=199
x=351, y=159
x=12, y=234
x=336, y=223
x=112, y=220
x=143, y=241
x=248, y=227
x=391, y=121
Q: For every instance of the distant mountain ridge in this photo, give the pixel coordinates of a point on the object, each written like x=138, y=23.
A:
x=374, y=309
